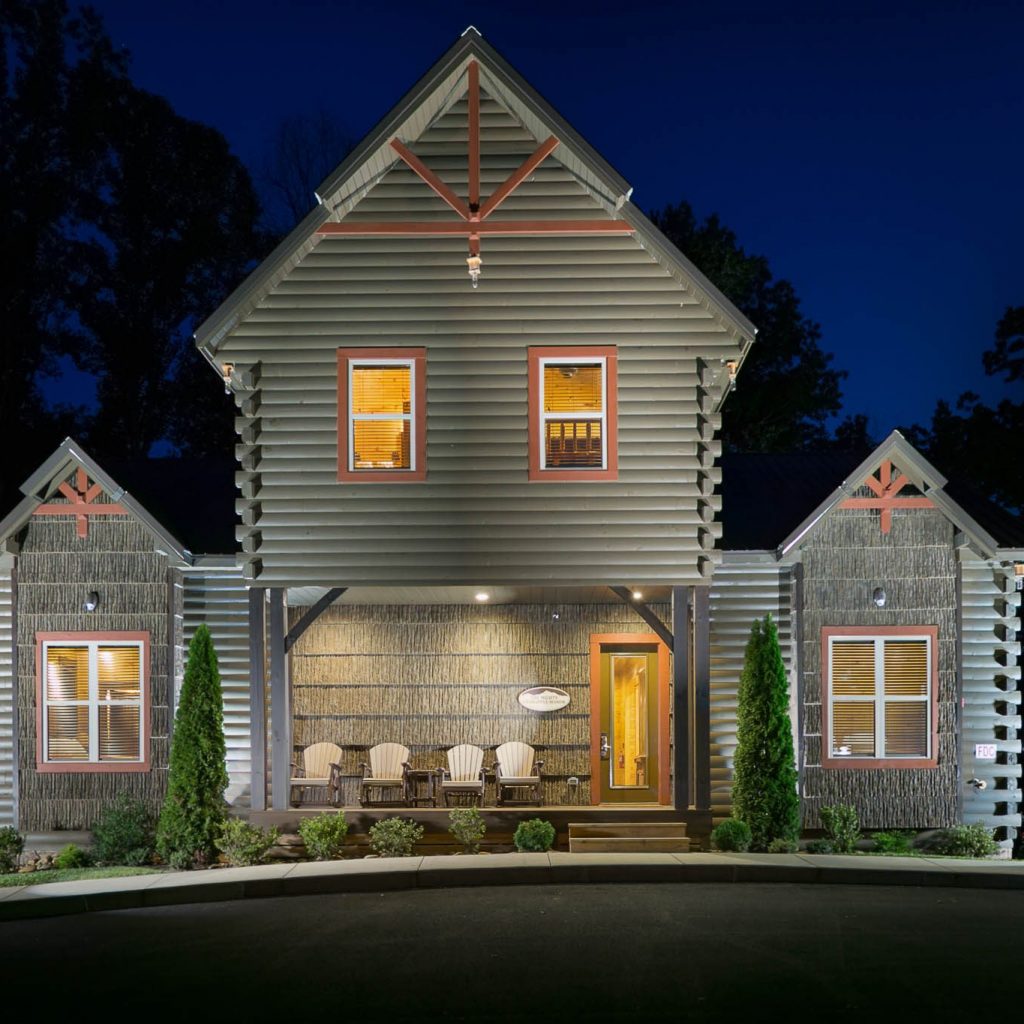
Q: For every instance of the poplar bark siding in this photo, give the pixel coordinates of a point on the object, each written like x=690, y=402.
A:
x=56, y=569
x=742, y=590
x=477, y=519
x=220, y=600
x=431, y=677
x=7, y=780
x=991, y=693
x=844, y=560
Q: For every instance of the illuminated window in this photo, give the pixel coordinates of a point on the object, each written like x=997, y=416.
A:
x=880, y=697
x=573, y=412
x=92, y=701
x=381, y=414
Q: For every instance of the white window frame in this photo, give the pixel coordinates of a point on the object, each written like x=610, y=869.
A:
x=93, y=702
x=879, y=699
x=409, y=416
x=580, y=360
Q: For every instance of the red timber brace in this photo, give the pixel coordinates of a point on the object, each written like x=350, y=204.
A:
x=473, y=223
x=81, y=503
x=885, y=489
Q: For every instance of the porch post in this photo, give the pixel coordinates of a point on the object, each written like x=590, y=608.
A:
x=681, y=695
x=257, y=699
x=280, y=707
x=702, y=697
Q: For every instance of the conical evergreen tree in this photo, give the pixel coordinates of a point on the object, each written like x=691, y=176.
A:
x=764, y=793
x=194, y=807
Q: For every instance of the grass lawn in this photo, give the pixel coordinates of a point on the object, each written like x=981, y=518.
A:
x=71, y=875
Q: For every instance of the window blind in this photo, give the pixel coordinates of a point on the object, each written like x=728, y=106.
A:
x=381, y=412
x=573, y=415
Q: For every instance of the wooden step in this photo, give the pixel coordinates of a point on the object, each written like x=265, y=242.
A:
x=629, y=844
x=626, y=829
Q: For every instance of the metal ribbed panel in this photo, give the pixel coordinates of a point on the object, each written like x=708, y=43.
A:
x=991, y=693
x=6, y=696
x=742, y=590
x=477, y=519
x=220, y=599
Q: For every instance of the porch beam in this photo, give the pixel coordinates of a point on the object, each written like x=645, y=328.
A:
x=280, y=707
x=312, y=614
x=464, y=229
x=702, y=698
x=664, y=633
x=258, y=698
x=681, y=696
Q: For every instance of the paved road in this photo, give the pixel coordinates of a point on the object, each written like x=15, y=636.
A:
x=584, y=952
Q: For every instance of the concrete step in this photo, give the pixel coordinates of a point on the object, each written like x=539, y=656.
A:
x=611, y=830
x=629, y=844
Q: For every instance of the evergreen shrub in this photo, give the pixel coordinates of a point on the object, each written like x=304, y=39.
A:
x=783, y=846
x=72, y=857
x=324, y=835
x=244, y=844
x=842, y=827
x=123, y=834
x=467, y=826
x=194, y=810
x=395, y=837
x=731, y=836
x=764, y=793
x=967, y=841
x=534, y=836
x=12, y=842
x=820, y=846
x=894, y=841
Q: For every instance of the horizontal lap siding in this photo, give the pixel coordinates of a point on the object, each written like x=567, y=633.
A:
x=477, y=519
x=7, y=766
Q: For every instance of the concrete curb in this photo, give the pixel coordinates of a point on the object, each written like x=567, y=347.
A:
x=390, y=874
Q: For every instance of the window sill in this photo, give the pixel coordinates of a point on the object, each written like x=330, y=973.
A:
x=873, y=763
x=81, y=767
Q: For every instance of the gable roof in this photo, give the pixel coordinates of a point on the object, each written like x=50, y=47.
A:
x=772, y=502
x=443, y=85
x=187, y=504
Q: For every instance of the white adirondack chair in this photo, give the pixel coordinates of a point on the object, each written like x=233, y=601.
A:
x=388, y=769
x=517, y=770
x=320, y=768
x=464, y=775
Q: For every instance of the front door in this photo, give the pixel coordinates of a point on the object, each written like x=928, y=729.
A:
x=629, y=735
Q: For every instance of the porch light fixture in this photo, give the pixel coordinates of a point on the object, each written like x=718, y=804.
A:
x=225, y=372
x=482, y=595
x=92, y=602
x=878, y=597
x=474, y=262
x=638, y=595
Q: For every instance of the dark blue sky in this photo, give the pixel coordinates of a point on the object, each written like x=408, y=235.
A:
x=874, y=152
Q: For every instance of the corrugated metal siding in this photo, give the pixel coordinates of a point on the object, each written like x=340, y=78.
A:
x=991, y=692
x=7, y=766
x=220, y=599
x=477, y=519
x=742, y=590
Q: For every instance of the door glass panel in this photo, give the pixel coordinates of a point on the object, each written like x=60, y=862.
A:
x=629, y=721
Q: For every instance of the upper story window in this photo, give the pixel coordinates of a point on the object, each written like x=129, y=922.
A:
x=573, y=413
x=880, y=697
x=382, y=414
x=92, y=704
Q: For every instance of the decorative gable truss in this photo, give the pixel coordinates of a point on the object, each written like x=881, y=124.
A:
x=885, y=489
x=81, y=502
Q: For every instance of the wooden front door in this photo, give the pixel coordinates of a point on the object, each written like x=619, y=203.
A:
x=628, y=721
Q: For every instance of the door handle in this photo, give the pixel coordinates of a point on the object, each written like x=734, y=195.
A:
x=606, y=747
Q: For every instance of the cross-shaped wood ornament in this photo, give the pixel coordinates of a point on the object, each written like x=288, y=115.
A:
x=885, y=489
x=81, y=503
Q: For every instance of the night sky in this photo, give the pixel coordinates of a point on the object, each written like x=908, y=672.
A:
x=873, y=152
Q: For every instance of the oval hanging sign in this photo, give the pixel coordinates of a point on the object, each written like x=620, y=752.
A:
x=544, y=698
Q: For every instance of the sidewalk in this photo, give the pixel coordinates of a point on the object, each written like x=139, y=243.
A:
x=379, y=875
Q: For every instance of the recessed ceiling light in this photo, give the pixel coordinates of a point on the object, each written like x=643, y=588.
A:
x=482, y=595
x=638, y=595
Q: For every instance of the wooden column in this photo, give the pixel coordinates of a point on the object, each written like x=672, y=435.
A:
x=280, y=707
x=257, y=698
x=681, y=696
x=702, y=698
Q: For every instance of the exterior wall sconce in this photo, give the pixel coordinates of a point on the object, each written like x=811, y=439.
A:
x=474, y=263
x=878, y=596
x=225, y=372
x=732, y=367
x=92, y=602
x=482, y=596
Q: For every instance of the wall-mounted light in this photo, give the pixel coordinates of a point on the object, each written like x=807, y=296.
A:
x=878, y=596
x=92, y=602
x=732, y=368
x=226, y=370
x=555, y=616
x=482, y=595
x=638, y=595
x=474, y=263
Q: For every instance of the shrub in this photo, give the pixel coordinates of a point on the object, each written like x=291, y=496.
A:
x=244, y=844
x=967, y=841
x=72, y=857
x=324, y=835
x=894, y=841
x=534, y=836
x=467, y=826
x=395, y=837
x=194, y=811
x=731, y=836
x=12, y=842
x=764, y=793
x=842, y=827
x=124, y=833
x=820, y=846
x=783, y=846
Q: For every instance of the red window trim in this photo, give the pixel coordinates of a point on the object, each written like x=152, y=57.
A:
x=872, y=763
x=418, y=356
x=610, y=355
x=118, y=767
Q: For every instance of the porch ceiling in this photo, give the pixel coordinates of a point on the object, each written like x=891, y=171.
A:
x=303, y=596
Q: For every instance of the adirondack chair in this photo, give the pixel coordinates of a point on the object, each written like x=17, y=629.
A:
x=464, y=775
x=320, y=768
x=388, y=769
x=516, y=771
